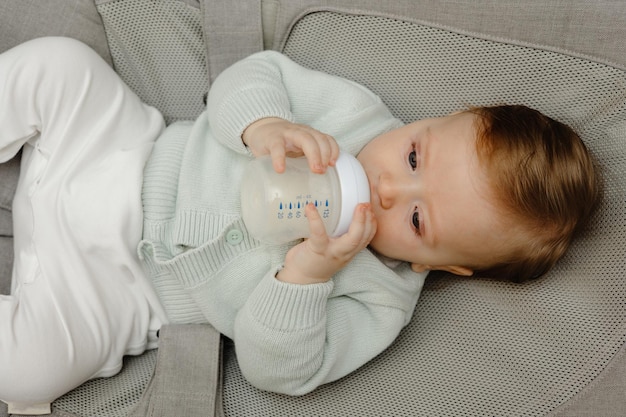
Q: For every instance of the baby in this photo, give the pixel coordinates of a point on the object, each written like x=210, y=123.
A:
x=496, y=191
x=508, y=177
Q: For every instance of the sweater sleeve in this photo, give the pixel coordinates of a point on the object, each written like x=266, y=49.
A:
x=293, y=338
x=269, y=84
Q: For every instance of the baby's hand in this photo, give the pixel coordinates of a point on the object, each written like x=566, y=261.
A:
x=318, y=258
x=280, y=138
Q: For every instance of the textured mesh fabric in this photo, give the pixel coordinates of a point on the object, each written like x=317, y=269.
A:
x=477, y=347
x=158, y=50
x=111, y=397
x=474, y=347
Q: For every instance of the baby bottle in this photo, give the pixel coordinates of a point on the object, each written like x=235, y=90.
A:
x=272, y=204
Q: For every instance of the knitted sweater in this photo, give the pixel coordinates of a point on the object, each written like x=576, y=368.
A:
x=289, y=338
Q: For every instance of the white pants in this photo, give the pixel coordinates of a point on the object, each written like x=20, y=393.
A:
x=80, y=300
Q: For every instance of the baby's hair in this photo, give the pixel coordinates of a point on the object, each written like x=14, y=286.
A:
x=544, y=179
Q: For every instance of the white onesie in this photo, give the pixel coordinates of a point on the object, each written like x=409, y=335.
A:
x=80, y=299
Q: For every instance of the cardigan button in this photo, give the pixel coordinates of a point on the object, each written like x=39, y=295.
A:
x=234, y=237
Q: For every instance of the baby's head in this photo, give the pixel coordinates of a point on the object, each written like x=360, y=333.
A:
x=495, y=191
x=543, y=179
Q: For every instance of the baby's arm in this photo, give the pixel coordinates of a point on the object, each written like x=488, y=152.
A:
x=268, y=86
x=293, y=338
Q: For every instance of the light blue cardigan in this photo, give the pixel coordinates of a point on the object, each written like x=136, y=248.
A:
x=206, y=268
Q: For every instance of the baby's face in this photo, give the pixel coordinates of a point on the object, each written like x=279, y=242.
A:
x=430, y=196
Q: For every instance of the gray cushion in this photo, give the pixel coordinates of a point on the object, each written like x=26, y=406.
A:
x=9, y=172
x=21, y=20
x=6, y=246
x=158, y=50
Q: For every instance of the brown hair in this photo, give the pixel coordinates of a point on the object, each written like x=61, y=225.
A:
x=543, y=178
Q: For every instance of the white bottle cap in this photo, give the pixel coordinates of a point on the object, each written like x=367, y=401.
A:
x=355, y=189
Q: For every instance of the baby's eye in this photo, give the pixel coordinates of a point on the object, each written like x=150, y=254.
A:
x=413, y=159
x=416, y=221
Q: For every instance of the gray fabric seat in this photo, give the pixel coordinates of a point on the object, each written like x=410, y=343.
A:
x=554, y=347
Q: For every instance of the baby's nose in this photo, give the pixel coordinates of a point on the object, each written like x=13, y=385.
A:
x=392, y=190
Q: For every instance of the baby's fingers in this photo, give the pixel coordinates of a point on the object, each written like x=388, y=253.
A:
x=277, y=153
x=318, y=238
x=363, y=226
x=321, y=151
